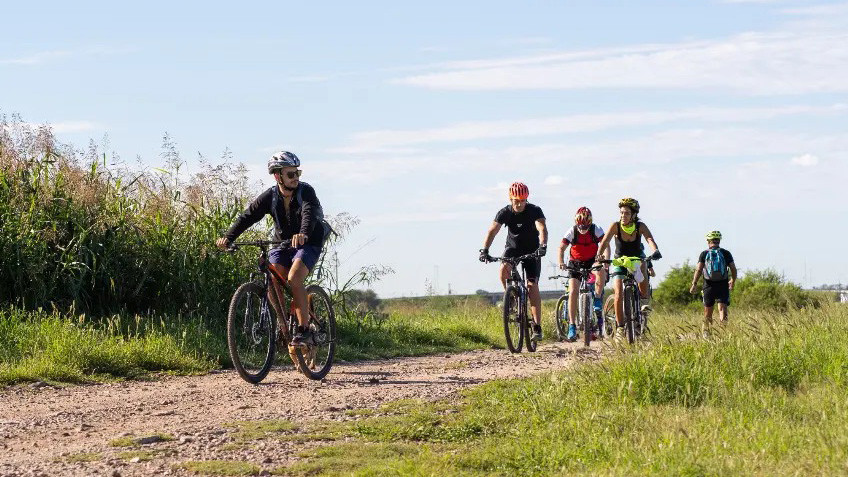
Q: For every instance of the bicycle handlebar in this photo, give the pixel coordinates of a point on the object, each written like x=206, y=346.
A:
x=258, y=243
x=514, y=260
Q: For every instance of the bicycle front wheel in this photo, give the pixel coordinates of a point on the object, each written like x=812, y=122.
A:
x=560, y=318
x=629, y=313
x=586, y=317
x=512, y=319
x=251, y=327
x=316, y=359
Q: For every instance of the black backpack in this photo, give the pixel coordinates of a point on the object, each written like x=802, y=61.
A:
x=591, y=232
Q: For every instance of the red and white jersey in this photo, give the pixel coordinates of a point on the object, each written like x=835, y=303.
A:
x=585, y=246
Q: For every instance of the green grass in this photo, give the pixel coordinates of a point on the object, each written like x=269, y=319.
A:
x=429, y=325
x=52, y=347
x=765, y=396
x=220, y=467
x=58, y=347
x=81, y=457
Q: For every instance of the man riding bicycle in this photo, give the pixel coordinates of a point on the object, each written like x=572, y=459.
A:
x=298, y=216
x=583, y=240
x=628, y=233
x=526, y=234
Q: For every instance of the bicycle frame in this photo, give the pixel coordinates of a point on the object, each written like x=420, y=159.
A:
x=283, y=294
x=519, y=280
x=631, y=288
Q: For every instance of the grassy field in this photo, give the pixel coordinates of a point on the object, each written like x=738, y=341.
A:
x=765, y=395
x=75, y=348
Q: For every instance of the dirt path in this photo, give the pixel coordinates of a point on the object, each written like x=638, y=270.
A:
x=44, y=430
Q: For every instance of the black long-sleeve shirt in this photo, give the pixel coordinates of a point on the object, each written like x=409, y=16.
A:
x=302, y=217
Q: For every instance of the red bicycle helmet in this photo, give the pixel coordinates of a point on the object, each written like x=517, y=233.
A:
x=518, y=191
x=583, y=217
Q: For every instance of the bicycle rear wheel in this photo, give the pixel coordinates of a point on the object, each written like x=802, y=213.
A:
x=586, y=317
x=529, y=342
x=512, y=320
x=315, y=360
x=560, y=318
x=629, y=314
x=251, y=327
x=609, y=316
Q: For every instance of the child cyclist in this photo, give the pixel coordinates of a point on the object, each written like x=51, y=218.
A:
x=582, y=240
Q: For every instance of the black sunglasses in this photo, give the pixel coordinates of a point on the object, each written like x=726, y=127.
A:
x=290, y=174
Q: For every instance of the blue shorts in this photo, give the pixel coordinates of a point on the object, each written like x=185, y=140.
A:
x=308, y=254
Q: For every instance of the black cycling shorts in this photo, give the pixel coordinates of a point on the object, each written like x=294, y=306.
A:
x=578, y=264
x=716, y=292
x=532, y=266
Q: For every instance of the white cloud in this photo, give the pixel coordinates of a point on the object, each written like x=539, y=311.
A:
x=553, y=180
x=789, y=62
x=389, y=141
x=805, y=160
x=640, y=152
x=46, y=56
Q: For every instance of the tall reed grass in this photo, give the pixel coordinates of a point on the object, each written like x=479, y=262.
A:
x=77, y=233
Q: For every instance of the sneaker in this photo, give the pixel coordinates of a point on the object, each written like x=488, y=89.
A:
x=572, y=333
x=646, y=309
x=537, y=333
x=620, y=336
x=302, y=337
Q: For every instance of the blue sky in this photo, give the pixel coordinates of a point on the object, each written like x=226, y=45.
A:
x=727, y=115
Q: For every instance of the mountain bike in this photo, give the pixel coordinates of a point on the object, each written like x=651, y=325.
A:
x=586, y=320
x=561, y=310
x=515, y=317
x=635, y=322
x=253, y=334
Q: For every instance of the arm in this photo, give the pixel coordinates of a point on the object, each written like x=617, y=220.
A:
x=604, y=246
x=561, y=257
x=732, y=275
x=254, y=213
x=698, y=271
x=543, y=232
x=310, y=205
x=649, y=237
x=490, y=235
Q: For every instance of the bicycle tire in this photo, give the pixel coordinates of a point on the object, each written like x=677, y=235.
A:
x=587, y=317
x=609, y=316
x=512, y=319
x=322, y=319
x=529, y=342
x=628, y=314
x=247, y=331
x=560, y=320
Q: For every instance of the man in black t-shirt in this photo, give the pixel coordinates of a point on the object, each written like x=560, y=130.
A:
x=526, y=233
x=714, y=263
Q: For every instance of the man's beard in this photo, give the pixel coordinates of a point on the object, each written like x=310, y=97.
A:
x=284, y=186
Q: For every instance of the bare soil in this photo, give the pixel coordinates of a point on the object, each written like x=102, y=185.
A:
x=47, y=430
